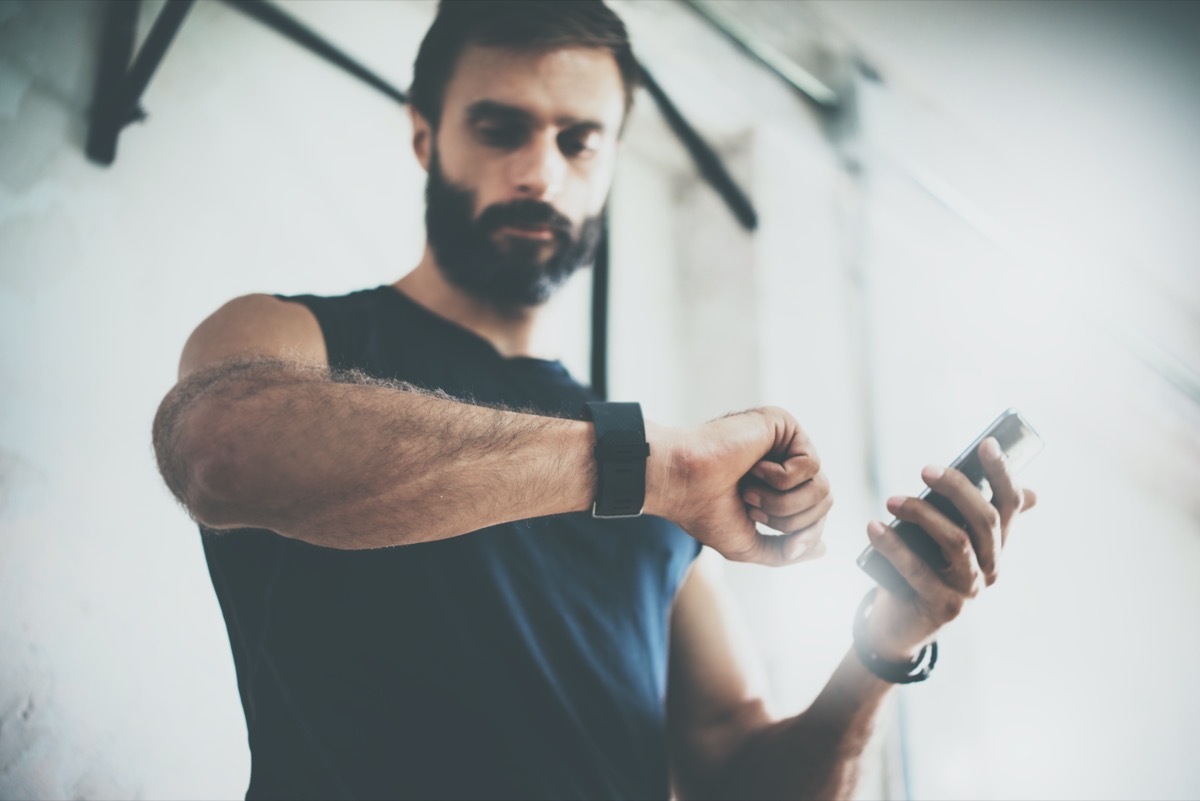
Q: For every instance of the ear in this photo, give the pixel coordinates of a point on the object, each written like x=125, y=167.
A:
x=422, y=137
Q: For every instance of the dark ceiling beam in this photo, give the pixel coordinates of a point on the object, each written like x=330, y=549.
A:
x=119, y=86
x=784, y=67
x=706, y=159
x=283, y=23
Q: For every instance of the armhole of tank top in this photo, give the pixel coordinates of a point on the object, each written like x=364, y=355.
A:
x=343, y=322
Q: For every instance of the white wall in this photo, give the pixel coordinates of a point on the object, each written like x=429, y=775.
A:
x=1030, y=186
x=259, y=169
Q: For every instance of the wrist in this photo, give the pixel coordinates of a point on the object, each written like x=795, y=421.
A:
x=579, y=438
x=889, y=649
x=889, y=661
x=887, y=639
x=662, y=467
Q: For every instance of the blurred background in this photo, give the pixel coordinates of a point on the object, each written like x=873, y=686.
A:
x=963, y=206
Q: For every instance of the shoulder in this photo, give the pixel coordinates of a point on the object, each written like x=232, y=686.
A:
x=255, y=326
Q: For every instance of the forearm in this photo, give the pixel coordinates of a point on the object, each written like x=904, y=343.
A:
x=815, y=754
x=359, y=465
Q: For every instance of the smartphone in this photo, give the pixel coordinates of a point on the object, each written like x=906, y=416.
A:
x=1019, y=442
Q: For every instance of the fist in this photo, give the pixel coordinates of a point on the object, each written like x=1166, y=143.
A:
x=720, y=479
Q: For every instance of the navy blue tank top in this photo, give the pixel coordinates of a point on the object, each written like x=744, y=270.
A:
x=526, y=660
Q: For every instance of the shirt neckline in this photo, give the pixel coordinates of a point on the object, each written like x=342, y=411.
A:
x=468, y=334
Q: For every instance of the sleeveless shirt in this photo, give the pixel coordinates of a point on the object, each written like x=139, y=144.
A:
x=525, y=660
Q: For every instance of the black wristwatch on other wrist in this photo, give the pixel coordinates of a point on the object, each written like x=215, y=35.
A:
x=895, y=672
x=621, y=454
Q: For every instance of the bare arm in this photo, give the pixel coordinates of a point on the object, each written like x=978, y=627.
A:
x=724, y=742
x=259, y=433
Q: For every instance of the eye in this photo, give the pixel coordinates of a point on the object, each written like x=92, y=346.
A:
x=577, y=144
x=502, y=136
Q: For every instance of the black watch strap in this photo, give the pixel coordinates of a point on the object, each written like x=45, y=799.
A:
x=621, y=453
x=894, y=672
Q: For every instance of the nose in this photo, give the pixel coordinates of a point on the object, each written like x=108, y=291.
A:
x=538, y=169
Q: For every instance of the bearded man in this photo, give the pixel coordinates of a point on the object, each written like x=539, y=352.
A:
x=447, y=570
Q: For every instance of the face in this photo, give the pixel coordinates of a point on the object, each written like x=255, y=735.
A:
x=519, y=169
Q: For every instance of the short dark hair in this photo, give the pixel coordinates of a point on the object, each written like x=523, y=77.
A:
x=526, y=25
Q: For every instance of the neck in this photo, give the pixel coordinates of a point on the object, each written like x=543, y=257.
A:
x=509, y=331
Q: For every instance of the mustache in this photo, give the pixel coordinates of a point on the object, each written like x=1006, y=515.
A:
x=524, y=213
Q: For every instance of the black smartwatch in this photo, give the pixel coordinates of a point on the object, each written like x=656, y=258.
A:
x=621, y=453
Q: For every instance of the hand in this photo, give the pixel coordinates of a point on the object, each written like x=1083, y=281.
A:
x=717, y=480
x=899, y=626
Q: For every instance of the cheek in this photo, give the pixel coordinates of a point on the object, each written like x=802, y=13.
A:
x=603, y=178
x=594, y=188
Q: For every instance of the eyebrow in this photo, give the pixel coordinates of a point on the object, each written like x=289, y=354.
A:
x=482, y=110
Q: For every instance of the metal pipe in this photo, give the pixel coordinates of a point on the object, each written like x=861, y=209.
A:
x=166, y=25
x=707, y=161
x=599, y=360
x=792, y=73
x=116, y=49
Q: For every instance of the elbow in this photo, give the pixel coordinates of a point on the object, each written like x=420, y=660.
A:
x=192, y=447
x=211, y=497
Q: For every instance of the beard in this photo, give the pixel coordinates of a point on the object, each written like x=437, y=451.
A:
x=518, y=273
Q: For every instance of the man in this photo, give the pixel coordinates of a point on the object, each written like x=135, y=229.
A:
x=517, y=644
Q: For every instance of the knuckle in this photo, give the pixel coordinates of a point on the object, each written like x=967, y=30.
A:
x=960, y=545
x=743, y=554
x=991, y=517
x=951, y=607
x=739, y=556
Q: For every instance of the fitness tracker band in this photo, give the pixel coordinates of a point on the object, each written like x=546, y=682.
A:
x=621, y=453
x=894, y=672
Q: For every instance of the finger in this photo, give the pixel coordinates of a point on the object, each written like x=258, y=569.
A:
x=790, y=473
x=814, y=551
x=962, y=571
x=776, y=550
x=1006, y=495
x=799, y=546
x=784, y=503
x=1030, y=499
x=981, y=518
x=942, y=601
x=802, y=520
x=806, y=537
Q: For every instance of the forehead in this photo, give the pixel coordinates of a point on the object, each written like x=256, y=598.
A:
x=576, y=83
